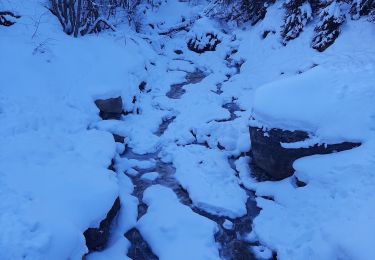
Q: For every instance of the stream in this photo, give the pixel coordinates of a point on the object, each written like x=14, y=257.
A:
x=232, y=245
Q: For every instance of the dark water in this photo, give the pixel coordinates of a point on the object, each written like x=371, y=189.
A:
x=232, y=244
x=177, y=90
x=164, y=125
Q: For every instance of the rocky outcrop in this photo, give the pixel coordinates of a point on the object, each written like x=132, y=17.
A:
x=110, y=108
x=270, y=157
x=97, y=238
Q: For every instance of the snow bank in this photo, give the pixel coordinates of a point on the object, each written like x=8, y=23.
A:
x=54, y=180
x=330, y=217
x=173, y=230
x=334, y=104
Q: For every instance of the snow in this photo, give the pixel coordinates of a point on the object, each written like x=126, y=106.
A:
x=161, y=227
x=131, y=165
x=125, y=220
x=262, y=252
x=209, y=180
x=336, y=108
x=311, y=141
x=335, y=207
x=228, y=224
x=55, y=150
x=150, y=176
x=333, y=102
x=53, y=168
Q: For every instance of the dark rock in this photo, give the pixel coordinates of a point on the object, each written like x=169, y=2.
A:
x=111, y=167
x=8, y=18
x=139, y=249
x=300, y=183
x=196, y=44
x=178, y=52
x=142, y=86
x=277, y=161
x=97, y=238
x=220, y=147
x=142, y=210
x=118, y=138
x=266, y=33
x=110, y=108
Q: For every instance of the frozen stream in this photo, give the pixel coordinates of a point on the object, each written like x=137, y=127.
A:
x=230, y=239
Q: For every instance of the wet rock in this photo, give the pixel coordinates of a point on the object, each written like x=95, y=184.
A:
x=277, y=161
x=118, y=138
x=97, y=238
x=206, y=42
x=111, y=167
x=139, y=248
x=110, y=108
x=300, y=183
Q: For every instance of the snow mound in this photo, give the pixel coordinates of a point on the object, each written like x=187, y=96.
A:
x=210, y=181
x=173, y=230
x=333, y=103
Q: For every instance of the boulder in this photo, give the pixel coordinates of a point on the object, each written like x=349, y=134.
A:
x=110, y=108
x=276, y=161
x=97, y=238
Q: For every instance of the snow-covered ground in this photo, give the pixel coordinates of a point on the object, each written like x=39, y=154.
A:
x=55, y=149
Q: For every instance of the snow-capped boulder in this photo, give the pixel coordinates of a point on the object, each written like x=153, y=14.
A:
x=275, y=150
x=203, y=43
x=110, y=108
x=97, y=238
x=320, y=111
